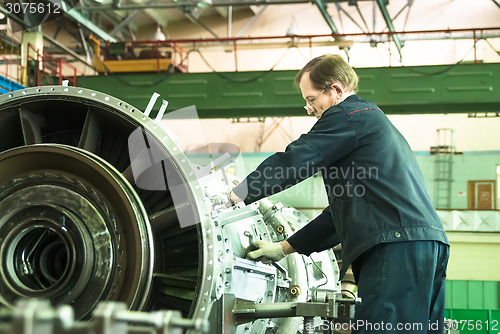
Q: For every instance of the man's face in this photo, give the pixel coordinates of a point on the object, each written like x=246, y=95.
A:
x=317, y=100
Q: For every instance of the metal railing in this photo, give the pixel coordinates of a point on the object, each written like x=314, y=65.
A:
x=50, y=66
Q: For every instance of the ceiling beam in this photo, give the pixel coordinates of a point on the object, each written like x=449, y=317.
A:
x=223, y=11
x=385, y=14
x=193, y=18
x=111, y=18
x=362, y=17
x=340, y=9
x=84, y=44
x=193, y=14
x=78, y=17
x=124, y=23
x=251, y=21
x=157, y=17
x=215, y=3
x=322, y=8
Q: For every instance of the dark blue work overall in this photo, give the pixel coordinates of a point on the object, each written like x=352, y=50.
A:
x=379, y=209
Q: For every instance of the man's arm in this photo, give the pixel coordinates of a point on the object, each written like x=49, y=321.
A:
x=331, y=139
x=318, y=235
x=287, y=248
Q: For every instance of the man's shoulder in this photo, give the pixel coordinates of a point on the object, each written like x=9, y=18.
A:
x=354, y=103
x=352, y=106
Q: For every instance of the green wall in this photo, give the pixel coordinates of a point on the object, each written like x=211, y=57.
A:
x=480, y=295
x=397, y=90
x=474, y=305
x=469, y=166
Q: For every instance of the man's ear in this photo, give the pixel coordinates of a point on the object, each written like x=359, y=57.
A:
x=338, y=88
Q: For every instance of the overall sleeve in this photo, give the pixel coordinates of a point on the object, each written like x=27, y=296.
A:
x=330, y=139
x=306, y=240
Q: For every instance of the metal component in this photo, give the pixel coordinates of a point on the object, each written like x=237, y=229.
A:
x=280, y=229
x=78, y=17
x=309, y=325
x=322, y=6
x=84, y=200
x=278, y=266
x=37, y=316
x=295, y=291
x=84, y=43
x=252, y=246
x=61, y=215
x=151, y=104
x=126, y=21
x=70, y=52
x=362, y=17
x=229, y=20
x=339, y=309
x=443, y=152
x=251, y=21
x=192, y=3
x=163, y=107
x=346, y=13
x=387, y=18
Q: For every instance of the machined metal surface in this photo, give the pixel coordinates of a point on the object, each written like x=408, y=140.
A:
x=64, y=238
x=37, y=316
x=99, y=203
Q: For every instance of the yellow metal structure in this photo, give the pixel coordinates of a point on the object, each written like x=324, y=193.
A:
x=134, y=65
x=128, y=65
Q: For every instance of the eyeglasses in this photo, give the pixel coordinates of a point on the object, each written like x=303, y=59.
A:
x=309, y=105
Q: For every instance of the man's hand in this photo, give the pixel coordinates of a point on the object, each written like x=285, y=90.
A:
x=267, y=252
x=232, y=199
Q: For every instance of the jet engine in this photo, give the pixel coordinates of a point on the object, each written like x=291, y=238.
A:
x=99, y=203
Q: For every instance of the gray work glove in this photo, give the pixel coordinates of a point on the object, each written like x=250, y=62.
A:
x=222, y=199
x=267, y=252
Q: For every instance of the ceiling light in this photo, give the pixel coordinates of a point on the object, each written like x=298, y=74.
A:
x=159, y=35
x=292, y=29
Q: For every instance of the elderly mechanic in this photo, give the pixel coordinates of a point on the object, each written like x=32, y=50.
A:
x=379, y=208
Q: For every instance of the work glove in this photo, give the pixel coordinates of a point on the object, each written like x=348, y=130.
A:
x=267, y=252
x=232, y=199
x=222, y=199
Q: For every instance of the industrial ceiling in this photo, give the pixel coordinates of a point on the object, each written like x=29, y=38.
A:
x=367, y=21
